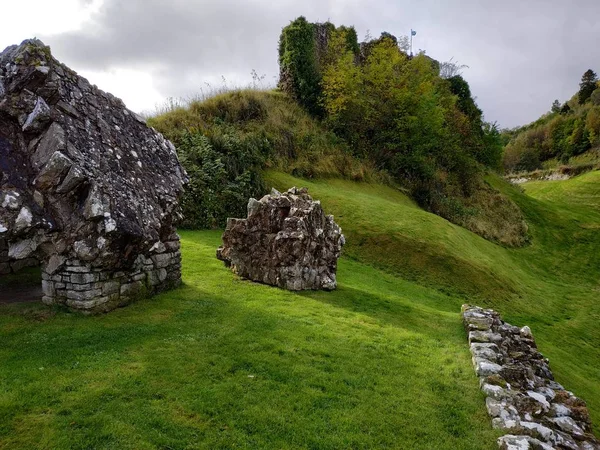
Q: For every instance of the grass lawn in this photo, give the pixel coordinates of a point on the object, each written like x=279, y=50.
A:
x=226, y=363
x=380, y=363
x=553, y=284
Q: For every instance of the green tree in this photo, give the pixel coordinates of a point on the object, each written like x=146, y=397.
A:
x=555, y=106
x=587, y=86
x=592, y=126
x=299, y=73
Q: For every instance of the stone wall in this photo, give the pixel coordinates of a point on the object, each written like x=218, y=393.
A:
x=286, y=241
x=523, y=398
x=78, y=285
x=10, y=265
x=86, y=187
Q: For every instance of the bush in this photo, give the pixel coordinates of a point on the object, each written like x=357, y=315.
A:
x=226, y=142
x=223, y=175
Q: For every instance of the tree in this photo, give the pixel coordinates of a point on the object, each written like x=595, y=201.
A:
x=587, y=85
x=555, y=106
x=451, y=69
x=595, y=97
x=565, y=109
x=299, y=71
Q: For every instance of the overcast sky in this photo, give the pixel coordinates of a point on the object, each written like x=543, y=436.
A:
x=522, y=54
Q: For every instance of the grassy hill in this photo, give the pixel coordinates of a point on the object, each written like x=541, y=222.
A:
x=380, y=362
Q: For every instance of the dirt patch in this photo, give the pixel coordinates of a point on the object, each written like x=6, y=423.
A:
x=20, y=294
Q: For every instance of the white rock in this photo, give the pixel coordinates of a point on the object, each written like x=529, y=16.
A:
x=494, y=391
x=83, y=250
x=547, y=392
x=94, y=206
x=526, y=332
x=485, y=351
x=23, y=220
x=539, y=398
x=483, y=336
x=560, y=410
x=484, y=367
x=544, y=432
x=568, y=425
x=512, y=442
x=22, y=249
x=11, y=200
x=3, y=229
x=500, y=423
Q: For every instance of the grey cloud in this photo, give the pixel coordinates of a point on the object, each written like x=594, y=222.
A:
x=521, y=54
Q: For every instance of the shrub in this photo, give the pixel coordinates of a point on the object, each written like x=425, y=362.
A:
x=225, y=142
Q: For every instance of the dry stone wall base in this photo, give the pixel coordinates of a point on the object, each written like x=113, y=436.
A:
x=286, y=241
x=87, y=189
x=523, y=398
x=80, y=286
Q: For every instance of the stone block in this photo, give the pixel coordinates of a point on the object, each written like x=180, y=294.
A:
x=111, y=287
x=48, y=288
x=132, y=289
x=139, y=277
x=156, y=277
x=162, y=260
x=78, y=269
x=85, y=295
x=82, y=287
x=84, y=278
x=172, y=246
x=22, y=249
x=55, y=262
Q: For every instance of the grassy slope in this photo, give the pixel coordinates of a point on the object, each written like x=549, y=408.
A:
x=552, y=285
x=381, y=362
x=223, y=363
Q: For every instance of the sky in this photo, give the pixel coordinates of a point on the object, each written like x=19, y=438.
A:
x=521, y=55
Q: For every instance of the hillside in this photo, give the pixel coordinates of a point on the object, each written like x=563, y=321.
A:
x=226, y=142
x=381, y=362
x=569, y=134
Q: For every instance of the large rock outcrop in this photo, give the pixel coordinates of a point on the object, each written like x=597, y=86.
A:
x=523, y=398
x=286, y=241
x=86, y=188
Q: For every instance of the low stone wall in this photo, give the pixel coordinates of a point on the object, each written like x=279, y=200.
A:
x=9, y=265
x=522, y=397
x=81, y=286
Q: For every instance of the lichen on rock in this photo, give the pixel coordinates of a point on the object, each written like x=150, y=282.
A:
x=523, y=399
x=85, y=185
x=286, y=241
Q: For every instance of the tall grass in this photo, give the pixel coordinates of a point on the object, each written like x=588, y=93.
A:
x=297, y=143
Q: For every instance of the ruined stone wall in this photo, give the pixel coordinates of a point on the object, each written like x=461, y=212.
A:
x=286, y=241
x=81, y=286
x=523, y=398
x=86, y=187
x=11, y=265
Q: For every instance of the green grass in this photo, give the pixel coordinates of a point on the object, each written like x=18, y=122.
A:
x=382, y=362
x=226, y=363
x=553, y=284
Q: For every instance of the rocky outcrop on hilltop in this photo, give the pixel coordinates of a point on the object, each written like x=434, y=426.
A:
x=523, y=398
x=286, y=241
x=86, y=188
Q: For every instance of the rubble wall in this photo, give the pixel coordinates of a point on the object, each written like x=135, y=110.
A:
x=522, y=397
